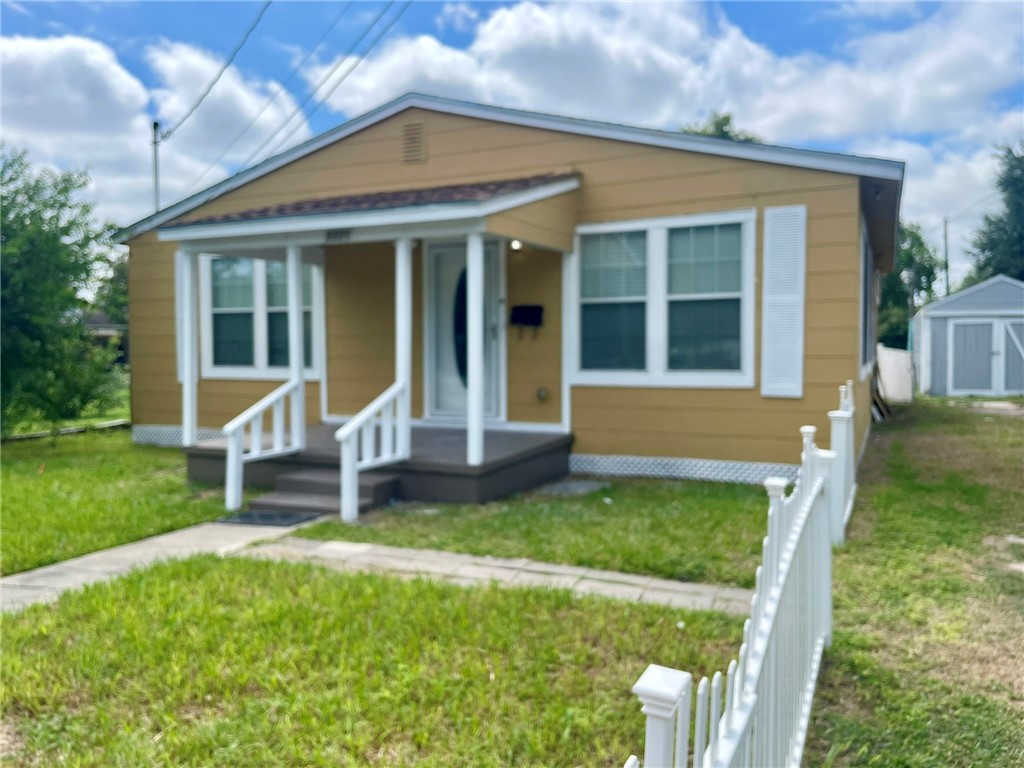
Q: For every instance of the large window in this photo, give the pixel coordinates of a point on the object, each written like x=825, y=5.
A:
x=613, y=294
x=245, y=317
x=667, y=302
x=704, y=298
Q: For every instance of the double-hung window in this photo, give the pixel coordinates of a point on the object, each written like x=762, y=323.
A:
x=613, y=298
x=245, y=318
x=667, y=302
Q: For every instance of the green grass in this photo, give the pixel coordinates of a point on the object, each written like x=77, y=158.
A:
x=227, y=663
x=925, y=667
x=65, y=496
x=707, y=532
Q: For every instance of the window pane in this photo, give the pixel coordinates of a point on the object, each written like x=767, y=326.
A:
x=704, y=335
x=232, y=283
x=612, y=337
x=277, y=339
x=704, y=259
x=233, y=338
x=614, y=265
x=277, y=284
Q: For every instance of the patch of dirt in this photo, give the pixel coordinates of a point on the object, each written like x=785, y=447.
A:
x=11, y=743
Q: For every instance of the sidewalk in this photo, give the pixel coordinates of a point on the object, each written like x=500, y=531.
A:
x=45, y=584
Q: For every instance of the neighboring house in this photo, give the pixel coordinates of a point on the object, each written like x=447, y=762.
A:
x=107, y=332
x=680, y=305
x=972, y=342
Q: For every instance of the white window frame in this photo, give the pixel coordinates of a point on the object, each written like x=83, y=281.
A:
x=657, y=372
x=260, y=370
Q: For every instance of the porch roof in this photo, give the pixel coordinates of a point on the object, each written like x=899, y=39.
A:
x=477, y=205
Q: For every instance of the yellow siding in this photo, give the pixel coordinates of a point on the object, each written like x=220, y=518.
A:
x=535, y=357
x=547, y=223
x=619, y=181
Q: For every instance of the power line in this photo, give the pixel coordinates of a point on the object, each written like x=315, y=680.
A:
x=298, y=110
x=280, y=90
x=227, y=63
x=359, y=61
x=947, y=219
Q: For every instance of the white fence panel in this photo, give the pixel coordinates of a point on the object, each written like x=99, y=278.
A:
x=758, y=712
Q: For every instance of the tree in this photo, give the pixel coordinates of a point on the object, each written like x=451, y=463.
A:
x=907, y=287
x=719, y=125
x=51, y=249
x=998, y=245
x=112, y=296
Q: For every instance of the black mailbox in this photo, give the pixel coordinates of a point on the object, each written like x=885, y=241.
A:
x=527, y=316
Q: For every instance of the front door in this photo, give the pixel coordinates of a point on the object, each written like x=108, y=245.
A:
x=447, y=336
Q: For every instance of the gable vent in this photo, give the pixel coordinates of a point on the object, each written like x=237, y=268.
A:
x=414, y=149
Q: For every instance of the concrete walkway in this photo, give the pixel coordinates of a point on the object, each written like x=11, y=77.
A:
x=45, y=584
x=477, y=570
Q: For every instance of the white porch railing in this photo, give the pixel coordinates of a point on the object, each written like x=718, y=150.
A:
x=379, y=434
x=757, y=714
x=245, y=436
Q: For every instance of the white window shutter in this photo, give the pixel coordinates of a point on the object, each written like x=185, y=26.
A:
x=179, y=309
x=782, y=301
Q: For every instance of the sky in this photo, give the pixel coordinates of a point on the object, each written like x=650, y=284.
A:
x=937, y=85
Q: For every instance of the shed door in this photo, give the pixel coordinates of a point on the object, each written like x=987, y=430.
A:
x=1013, y=371
x=972, y=358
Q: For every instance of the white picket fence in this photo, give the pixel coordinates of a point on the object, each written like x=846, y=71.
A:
x=757, y=713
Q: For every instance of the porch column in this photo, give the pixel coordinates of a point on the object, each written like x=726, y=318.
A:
x=296, y=361
x=475, y=350
x=186, y=265
x=403, y=339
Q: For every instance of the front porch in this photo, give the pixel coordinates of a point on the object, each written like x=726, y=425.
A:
x=436, y=469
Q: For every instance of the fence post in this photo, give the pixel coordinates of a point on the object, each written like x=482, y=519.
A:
x=827, y=510
x=661, y=690
x=842, y=468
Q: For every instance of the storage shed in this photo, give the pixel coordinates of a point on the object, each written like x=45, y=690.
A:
x=972, y=342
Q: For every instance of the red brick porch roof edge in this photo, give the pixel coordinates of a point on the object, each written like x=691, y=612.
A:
x=453, y=193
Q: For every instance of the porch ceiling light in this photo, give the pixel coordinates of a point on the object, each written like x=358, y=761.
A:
x=516, y=245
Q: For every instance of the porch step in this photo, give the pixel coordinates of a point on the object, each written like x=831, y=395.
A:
x=290, y=501
x=378, y=487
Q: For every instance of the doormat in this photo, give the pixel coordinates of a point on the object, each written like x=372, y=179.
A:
x=282, y=518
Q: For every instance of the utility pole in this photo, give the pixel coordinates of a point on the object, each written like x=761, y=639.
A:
x=945, y=248
x=156, y=165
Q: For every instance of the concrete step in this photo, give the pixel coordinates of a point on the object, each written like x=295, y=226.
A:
x=378, y=487
x=290, y=501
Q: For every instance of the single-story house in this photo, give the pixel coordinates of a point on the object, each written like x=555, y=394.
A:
x=971, y=342
x=474, y=285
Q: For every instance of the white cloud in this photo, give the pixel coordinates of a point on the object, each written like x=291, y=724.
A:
x=71, y=103
x=876, y=9
x=458, y=16
x=926, y=93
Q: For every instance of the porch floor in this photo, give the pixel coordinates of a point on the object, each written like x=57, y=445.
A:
x=435, y=471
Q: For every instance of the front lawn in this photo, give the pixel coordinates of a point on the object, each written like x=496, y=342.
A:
x=927, y=665
x=241, y=662
x=706, y=532
x=66, y=496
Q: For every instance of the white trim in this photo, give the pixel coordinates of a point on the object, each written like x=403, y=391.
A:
x=452, y=422
x=748, y=472
x=967, y=313
x=657, y=373
x=800, y=158
x=568, y=334
x=995, y=359
x=319, y=288
x=389, y=217
x=927, y=309
x=926, y=355
x=260, y=370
